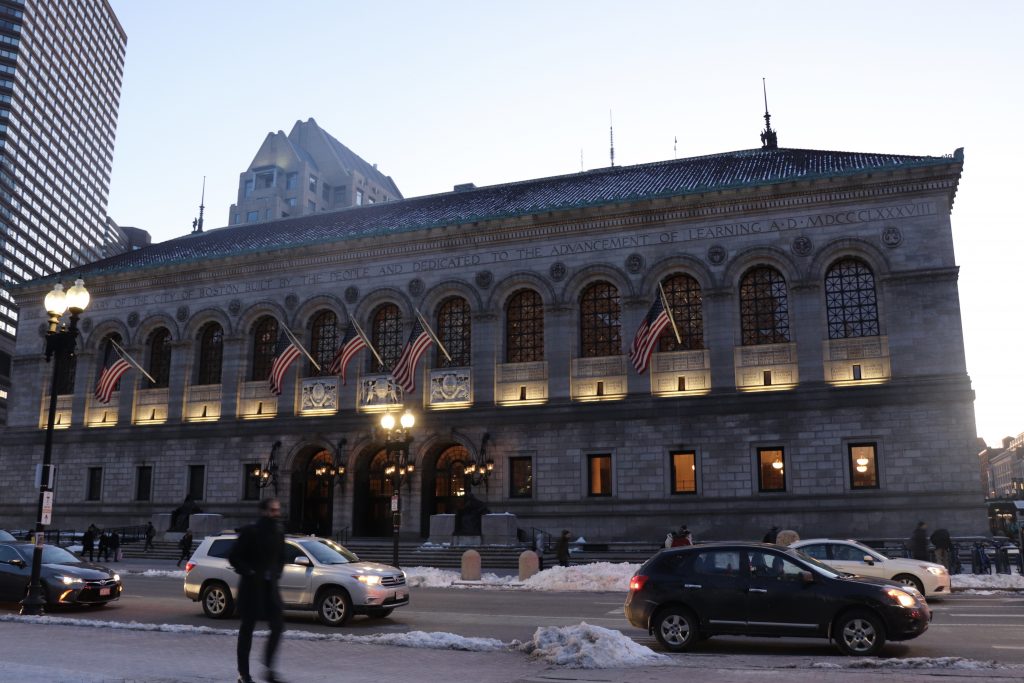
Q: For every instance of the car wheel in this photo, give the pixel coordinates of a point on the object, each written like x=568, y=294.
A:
x=380, y=612
x=910, y=580
x=676, y=628
x=859, y=633
x=334, y=607
x=217, y=601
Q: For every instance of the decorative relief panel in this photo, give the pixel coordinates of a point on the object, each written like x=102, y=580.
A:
x=256, y=401
x=378, y=393
x=102, y=414
x=521, y=383
x=319, y=395
x=450, y=388
x=62, y=418
x=864, y=359
x=765, y=366
x=202, y=403
x=677, y=373
x=598, y=379
x=150, y=406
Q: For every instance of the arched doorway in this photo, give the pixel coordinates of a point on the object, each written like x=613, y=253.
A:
x=312, y=509
x=371, y=513
x=444, y=484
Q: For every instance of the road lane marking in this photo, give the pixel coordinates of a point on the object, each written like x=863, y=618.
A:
x=1008, y=647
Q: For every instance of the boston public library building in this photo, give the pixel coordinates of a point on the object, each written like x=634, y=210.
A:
x=810, y=374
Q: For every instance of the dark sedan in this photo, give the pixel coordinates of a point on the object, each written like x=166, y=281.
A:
x=66, y=579
x=685, y=594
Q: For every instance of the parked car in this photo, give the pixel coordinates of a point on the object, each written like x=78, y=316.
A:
x=319, y=575
x=66, y=579
x=683, y=595
x=928, y=578
x=6, y=536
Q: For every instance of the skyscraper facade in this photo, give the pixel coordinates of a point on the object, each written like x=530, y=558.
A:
x=61, y=65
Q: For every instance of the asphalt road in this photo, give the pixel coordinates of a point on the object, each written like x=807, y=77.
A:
x=983, y=627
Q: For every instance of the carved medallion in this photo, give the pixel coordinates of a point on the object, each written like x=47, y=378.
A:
x=234, y=306
x=634, y=263
x=802, y=245
x=484, y=279
x=351, y=294
x=891, y=236
x=181, y=314
x=716, y=255
x=291, y=301
x=416, y=286
x=133, y=319
x=558, y=271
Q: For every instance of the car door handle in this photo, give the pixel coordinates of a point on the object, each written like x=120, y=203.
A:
x=692, y=585
x=757, y=590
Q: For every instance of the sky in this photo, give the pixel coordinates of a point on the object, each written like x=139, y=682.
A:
x=444, y=93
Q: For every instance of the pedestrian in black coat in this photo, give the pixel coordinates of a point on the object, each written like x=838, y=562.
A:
x=103, y=550
x=89, y=543
x=258, y=558
x=150, y=534
x=115, y=545
x=185, y=546
x=919, y=542
x=562, y=548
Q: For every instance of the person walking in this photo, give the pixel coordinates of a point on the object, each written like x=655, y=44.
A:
x=115, y=545
x=919, y=542
x=185, y=546
x=89, y=543
x=943, y=544
x=150, y=534
x=258, y=559
x=103, y=549
x=562, y=548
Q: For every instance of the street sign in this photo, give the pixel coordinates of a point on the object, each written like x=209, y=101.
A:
x=394, y=503
x=47, y=508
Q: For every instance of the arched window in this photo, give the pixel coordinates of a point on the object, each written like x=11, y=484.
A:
x=450, y=476
x=386, y=335
x=850, y=300
x=453, y=330
x=524, y=327
x=211, y=353
x=159, y=347
x=324, y=342
x=764, y=307
x=687, y=306
x=110, y=355
x=600, y=321
x=264, y=347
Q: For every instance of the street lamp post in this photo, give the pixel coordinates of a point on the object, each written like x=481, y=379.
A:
x=396, y=442
x=60, y=347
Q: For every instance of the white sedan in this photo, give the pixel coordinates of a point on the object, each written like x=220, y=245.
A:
x=929, y=578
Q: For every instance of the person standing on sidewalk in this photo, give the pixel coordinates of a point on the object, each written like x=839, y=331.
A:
x=258, y=558
x=150, y=533
x=185, y=545
x=943, y=544
x=562, y=548
x=919, y=542
x=89, y=543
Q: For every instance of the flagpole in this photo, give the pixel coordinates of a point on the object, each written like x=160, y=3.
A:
x=668, y=310
x=298, y=344
x=366, y=340
x=433, y=336
x=135, y=363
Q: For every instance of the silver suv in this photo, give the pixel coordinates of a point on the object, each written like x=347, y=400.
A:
x=319, y=575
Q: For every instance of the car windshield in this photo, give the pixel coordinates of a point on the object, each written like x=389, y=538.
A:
x=4, y=536
x=818, y=566
x=51, y=555
x=325, y=551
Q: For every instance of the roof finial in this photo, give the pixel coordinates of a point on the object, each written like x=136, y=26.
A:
x=769, y=140
x=197, y=223
x=611, y=136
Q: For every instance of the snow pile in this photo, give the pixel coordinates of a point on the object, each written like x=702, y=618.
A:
x=173, y=573
x=908, y=663
x=989, y=581
x=599, y=577
x=589, y=647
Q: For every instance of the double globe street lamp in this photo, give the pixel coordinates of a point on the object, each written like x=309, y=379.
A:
x=397, y=438
x=61, y=341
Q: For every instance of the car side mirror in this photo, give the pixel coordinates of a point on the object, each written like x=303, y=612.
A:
x=302, y=561
x=806, y=577
x=20, y=564
x=869, y=560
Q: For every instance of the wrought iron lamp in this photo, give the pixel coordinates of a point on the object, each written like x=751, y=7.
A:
x=399, y=467
x=478, y=469
x=266, y=475
x=336, y=467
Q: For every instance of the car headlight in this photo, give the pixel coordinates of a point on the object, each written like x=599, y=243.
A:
x=369, y=579
x=117, y=577
x=937, y=571
x=902, y=597
x=68, y=580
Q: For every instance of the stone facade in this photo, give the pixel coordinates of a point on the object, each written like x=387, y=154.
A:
x=901, y=392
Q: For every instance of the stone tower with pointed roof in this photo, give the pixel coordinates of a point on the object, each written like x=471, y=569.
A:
x=306, y=172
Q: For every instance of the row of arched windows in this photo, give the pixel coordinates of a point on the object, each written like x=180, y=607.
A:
x=850, y=302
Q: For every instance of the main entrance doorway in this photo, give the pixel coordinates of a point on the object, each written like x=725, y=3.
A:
x=371, y=513
x=444, y=484
x=312, y=510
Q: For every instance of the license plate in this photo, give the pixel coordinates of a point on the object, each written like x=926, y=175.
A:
x=401, y=595
x=104, y=591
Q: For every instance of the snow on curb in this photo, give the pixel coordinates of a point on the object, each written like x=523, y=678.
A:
x=596, y=577
x=988, y=581
x=589, y=647
x=909, y=663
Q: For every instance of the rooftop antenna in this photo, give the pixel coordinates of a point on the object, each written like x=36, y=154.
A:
x=769, y=140
x=581, y=160
x=197, y=223
x=611, y=136
x=675, y=144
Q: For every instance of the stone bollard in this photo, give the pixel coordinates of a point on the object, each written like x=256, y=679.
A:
x=471, y=566
x=529, y=564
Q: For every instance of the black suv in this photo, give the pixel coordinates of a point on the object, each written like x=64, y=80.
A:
x=757, y=589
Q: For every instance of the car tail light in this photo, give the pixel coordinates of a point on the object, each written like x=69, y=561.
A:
x=189, y=566
x=637, y=582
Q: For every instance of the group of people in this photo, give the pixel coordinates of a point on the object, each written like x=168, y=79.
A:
x=679, y=537
x=100, y=545
x=940, y=539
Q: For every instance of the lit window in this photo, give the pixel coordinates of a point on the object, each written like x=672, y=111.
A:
x=520, y=471
x=771, y=469
x=863, y=466
x=684, y=472
x=599, y=475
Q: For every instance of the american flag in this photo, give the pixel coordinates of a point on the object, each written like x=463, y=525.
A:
x=287, y=352
x=647, y=335
x=352, y=344
x=404, y=371
x=109, y=378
